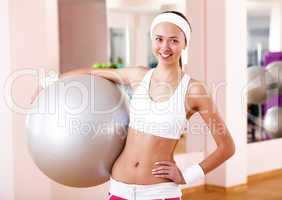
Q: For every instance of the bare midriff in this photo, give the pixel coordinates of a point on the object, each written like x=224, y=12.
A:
x=134, y=165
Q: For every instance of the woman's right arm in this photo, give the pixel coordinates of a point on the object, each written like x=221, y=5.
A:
x=125, y=76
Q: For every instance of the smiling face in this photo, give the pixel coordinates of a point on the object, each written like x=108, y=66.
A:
x=168, y=41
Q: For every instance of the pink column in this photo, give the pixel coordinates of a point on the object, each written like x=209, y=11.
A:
x=33, y=44
x=225, y=73
x=6, y=141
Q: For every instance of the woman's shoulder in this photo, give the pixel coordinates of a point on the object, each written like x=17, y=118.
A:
x=196, y=87
x=141, y=71
x=137, y=74
x=197, y=93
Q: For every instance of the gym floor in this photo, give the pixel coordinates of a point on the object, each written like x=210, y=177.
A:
x=268, y=189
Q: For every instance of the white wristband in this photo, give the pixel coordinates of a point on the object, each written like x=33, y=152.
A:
x=48, y=80
x=193, y=173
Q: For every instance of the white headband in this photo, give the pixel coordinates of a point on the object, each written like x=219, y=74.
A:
x=174, y=19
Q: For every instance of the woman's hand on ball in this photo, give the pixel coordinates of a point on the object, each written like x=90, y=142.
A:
x=169, y=170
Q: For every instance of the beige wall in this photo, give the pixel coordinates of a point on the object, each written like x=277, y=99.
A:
x=83, y=33
x=226, y=64
x=268, y=151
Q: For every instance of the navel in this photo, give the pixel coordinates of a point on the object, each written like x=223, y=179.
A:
x=136, y=164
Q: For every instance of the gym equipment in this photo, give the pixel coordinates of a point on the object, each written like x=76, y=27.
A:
x=258, y=81
x=275, y=70
x=77, y=128
x=273, y=121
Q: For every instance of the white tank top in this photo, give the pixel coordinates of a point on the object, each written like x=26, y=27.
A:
x=164, y=119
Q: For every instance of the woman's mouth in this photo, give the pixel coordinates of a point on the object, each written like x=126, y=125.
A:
x=165, y=55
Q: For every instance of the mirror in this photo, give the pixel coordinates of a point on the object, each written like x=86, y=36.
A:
x=264, y=51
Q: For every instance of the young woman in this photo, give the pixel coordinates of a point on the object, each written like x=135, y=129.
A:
x=164, y=98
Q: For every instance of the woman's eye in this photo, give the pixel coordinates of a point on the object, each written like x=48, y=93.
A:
x=175, y=41
x=158, y=39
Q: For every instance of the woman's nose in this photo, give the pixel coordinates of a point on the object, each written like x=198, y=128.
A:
x=165, y=44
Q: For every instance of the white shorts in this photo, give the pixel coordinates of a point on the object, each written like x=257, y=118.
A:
x=145, y=192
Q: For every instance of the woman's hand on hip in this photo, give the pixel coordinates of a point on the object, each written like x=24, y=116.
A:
x=169, y=170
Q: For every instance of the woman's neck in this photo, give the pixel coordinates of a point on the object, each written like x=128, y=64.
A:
x=163, y=72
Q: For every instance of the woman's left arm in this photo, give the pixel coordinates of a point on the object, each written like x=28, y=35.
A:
x=199, y=100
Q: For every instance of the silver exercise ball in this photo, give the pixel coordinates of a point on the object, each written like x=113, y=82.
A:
x=77, y=128
x=258, y=81
x=275, y=69
x=273, y=121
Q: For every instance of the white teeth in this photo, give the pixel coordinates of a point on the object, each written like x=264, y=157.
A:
x=165, y=55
